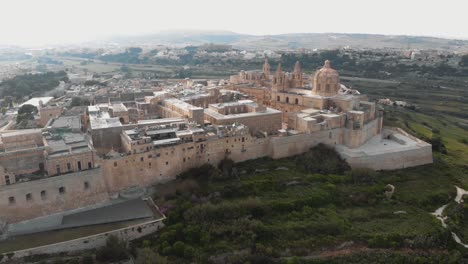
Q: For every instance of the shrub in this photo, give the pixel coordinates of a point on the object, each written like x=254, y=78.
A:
x=322, y=159
x=362, y=175
x=114, y=250
x=87, y=259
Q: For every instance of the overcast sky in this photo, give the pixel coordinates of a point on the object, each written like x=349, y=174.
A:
x=33, y=22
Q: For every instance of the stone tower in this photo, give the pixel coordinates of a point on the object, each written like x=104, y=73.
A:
x=266, y=69
x=280, y=80
x=326, y=81
x=297, y=80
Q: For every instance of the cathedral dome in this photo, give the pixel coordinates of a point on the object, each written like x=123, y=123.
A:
x=326, y=81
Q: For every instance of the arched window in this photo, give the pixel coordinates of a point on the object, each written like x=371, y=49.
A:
x=43, y=195
x=287, y=99
x=29, y=197
x=296, y=101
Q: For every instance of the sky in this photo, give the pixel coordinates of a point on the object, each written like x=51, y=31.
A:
x=39, y=22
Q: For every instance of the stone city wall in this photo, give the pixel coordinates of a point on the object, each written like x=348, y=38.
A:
x=401, y=159
x=355, y=138
x=31, y=199
x=89, y=242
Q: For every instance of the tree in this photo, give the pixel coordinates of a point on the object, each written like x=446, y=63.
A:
x=26, y=112
x=463, y=61
x=78, y=101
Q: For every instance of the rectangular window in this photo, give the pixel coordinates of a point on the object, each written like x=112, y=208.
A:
x=90, y=166
x=43, y=195
x=68, y=166
x=11, y=200
x=7, y=180
x=86, y=185
x=79, y=165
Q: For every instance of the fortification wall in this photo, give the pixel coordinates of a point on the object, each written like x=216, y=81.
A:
x=43, y=197
x=89, y=242
x=297, y=144
x=410, y=157
x=355, y=138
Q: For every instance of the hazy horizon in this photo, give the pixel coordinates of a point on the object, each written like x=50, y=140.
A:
x=30, y=23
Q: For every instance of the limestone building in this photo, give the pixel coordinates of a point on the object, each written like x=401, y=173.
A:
x=61, y=168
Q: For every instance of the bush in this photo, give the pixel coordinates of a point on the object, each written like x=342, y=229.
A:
x=362, y=175
x=114, y=250
x=87, y=259
x=322, y=159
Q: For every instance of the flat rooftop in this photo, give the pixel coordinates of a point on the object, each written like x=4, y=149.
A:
x=268, y=111
x=181, y=104
x=35, y=101
x=72, y=122
x=113, y=211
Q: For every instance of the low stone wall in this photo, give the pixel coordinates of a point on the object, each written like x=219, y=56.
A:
x=89, y=242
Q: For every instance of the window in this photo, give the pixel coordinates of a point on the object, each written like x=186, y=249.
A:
x=183, y=159
x=327, y=87
x=68, y=166
x=86, y=185
x=28, y=197
x=43, y=195
x=296, y=101
x=243, y=139
x=287, y=99
x=79, y=165
x=142, y=159
x=11, y=200
x=277, y=98
x=149, y=164
x=115, y=164
x=58, y=168
x=167, y=162
x=330, y=135
x=7, y=180
x=62, y=190
x=90, y=166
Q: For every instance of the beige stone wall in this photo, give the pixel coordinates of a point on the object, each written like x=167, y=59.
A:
x=23, y=161
x=293, y=145
x=410, y=157
x=52, y=201
x=48, y=113
x=69, y=163
x=270, y=123
x=355, y=138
